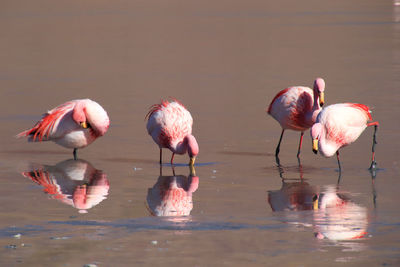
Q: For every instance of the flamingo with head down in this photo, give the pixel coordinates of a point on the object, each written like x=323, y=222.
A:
x=170, y=126
x=296, y=108
x=74, y=124
x=340, y=125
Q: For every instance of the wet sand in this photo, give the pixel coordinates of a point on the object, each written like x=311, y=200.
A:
x=225, y=61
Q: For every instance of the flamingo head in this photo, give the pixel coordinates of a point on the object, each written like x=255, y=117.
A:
x=319, y=87
x=192, y=148
x=316, y=133
x=89, y=114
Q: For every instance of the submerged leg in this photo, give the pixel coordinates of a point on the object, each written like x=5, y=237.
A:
x=278, y=162
x=300, y=143
x=373, y=162
x=300, y=170
x=173, y=170
x=172, y=159
x=75, y=154
x=338, y=161
x=279, y=145
x=339, y=177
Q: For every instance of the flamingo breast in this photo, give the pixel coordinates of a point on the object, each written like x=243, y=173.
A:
x=292, y=108
x=169, y=125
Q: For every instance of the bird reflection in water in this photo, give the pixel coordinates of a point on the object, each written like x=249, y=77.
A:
x=295, y=193
x=172, y=195
x=73, y=182
x=338, y=218
x=334, y=215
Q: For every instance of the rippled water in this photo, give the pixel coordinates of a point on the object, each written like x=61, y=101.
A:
x=225, y=61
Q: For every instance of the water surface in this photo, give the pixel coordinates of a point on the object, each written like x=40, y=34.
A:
x=225, y=61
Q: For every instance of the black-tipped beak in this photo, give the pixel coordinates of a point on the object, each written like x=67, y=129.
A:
x=321, y=98
x=315, y=202
x=315, y=146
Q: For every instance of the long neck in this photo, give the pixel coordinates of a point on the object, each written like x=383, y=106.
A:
x=181, y=148
x=316, y=100
x=312, y=115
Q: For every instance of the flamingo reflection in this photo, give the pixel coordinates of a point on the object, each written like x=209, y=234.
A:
x=172, y=195
x=294, y=194
x=336, y=217
x=73, y=182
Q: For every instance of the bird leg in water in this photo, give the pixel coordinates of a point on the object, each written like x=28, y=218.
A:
x=338, y=161
x=300, y=143
x=173, y=170
x=373, y=162
x=75, y=154
x=279, y=145
x=300, y=170
x=339, y=177
x=172, y=159
x=160, y=156
x=278, y=162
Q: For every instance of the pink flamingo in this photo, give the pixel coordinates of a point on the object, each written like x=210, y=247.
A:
x=340, y=125
x=170, y=125
x=296, y=108
x=74, y=124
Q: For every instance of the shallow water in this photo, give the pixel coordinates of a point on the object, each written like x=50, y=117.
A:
x=225, y=61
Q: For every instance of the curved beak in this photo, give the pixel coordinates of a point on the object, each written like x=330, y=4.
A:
x=315, y=146
x=192, y=160
x=84, y=125
x=321, y=98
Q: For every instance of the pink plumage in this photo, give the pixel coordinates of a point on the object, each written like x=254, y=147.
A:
x=296, y=108
x=74, y=124
x=340, y=125
x=170, y=126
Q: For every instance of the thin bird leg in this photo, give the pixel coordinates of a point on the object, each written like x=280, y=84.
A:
x=373, y=162
x=374, y=195
x=173, y=170
x=340, y=168
x=172, y=159
x=279, y=145
x=339, y=178
x=160, y=156
x=278, y=162
x=338, y=161
x=300, y=143
x=301, y=170
x=75, y=154
x=281, y=171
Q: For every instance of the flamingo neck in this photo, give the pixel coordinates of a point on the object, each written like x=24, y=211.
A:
x=181, y=147
x=316, y=105
x=316, y=108
x=189, y=145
